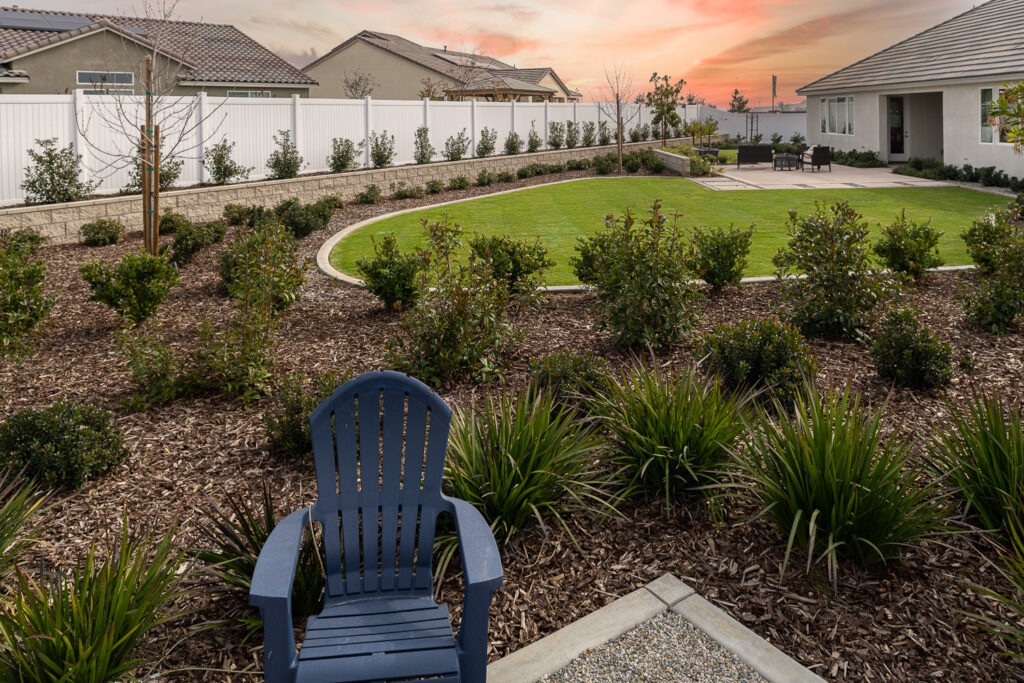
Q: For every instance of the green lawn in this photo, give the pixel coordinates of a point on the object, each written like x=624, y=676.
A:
x=558, y=214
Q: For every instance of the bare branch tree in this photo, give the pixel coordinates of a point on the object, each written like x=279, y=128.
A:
x=359, y=85
x=621, y=106
x=431, y=89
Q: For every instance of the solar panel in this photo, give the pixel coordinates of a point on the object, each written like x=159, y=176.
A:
x=37, y=21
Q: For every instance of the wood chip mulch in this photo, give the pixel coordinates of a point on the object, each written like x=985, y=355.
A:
x=904, y=622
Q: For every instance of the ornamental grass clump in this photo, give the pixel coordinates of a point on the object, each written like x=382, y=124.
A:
x=670, y=434
x=841, y=293
x=390, y=275
x=981, y=455
x=135, y=287
x=640, y=272
x=89, y=626
x=908, y=247
x=20, y=501
x=1011, y=567
x=905, y=351
x=720, y=254
x=522, y=459
x=833, y=486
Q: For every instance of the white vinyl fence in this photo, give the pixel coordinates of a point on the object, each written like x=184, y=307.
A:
x=104, y=129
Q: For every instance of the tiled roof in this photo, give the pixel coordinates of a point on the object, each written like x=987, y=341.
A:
x=12, y=73
x=987, y=40
x=501, y=82
x=216, y=52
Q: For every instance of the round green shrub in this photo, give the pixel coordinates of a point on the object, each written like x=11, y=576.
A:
x=905, y=351
x=390, y=275
x=605, y=163
x=720, y=254
x=191, y=239
x=171, y=222
x=102, y=231
x=135, y=287
x=909, y=247
x=63, y=444
x=459, y=182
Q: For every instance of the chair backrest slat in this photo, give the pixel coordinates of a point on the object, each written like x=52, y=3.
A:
x=393, y=430
x=413, y=479
x=348, y=487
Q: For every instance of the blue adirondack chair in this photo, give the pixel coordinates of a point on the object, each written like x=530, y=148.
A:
x=379, y=445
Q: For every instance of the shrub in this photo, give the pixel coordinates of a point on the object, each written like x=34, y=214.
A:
x=987, y=235
x=797, y=139
x=570, y=377
x=513, y=143
x=285, y=161
x=700, y=166
x=461, y=324
x=220, y=166
x=154, y=368
x=170, y=171
x=382, y=149
x=342, y=156
x=236, y=214
x=605, y=163
x=456, y=147
x=423, y=150
x=102, y=231
x=23, y=303
x=841, y=292
x=63, y=444
x=589, y=138
x=651, y=161
x=833, y=487
x=234, y=539
x=533, y=140
x=631, y=163
x=391, y=276
x=556, y=134
x=759, y=355
x=527, y=171
x=506, y=177
x=578, y=164
x=905, y=351
x=171, y=222
x=19, y=503
x=908, y=247
x=459, y=182
x=435, y=187
x=776, y=139
x=191, y=240
x=671, y=434
x=981, y=456
x=485, y=178
x=91, y=625
x=998, y=298
x=485, y=145
x=645, y=132
x=54, y=175
x=372, y=194
x=572, y=134
x=635, y=135
x=640, y=273
x=262, y=266
x=522, y=459
x=135, y=287
x=518, y=264
x=287, y=426
x=867, y=158
x=402, y=191
x=720, y=254
x=604, y=134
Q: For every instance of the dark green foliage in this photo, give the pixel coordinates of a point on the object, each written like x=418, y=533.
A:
x=170, y=171
x=571, y=377
x=645, y=132
x=578, y=164
x=459, y=182
x=842, y=293
x=720, y=254
x=604, y=134
x=533, y=140
x=23, y=303
x=671, y=434
x=222, y=168
x=905, y=351
x=190, y=240
x=589, y=138
x=456, y=147
x=640, y=273
x=154, y=368
x=287, y=426
x=513, y=143
x=237, y=214
x=171, y=222
x=102, y=231
x=998, y=298
x=262, y=266
x=759, y=354
x=523, y=459
x=435, y=187
x=605, y=163
x=518, y=264
x=90, y=627
x=20, y=501
x=866, y=158
x=506, y=177
x=485, y=178
x=423, y=150
x=572, y=134
x=485, y=145
x=382, y=149
x=372, y=194
x=400, y=190
x=652, y=162
x=135, y=287
x=54, y=175
x=635, y=134
x=342, y=156
x=556, y=134
x=63, y=444
x=390, y=275
x=933, y=169
x=908, y=247
x=632, y=162
x=1012, y=569
x=285, y=161
x=833, y=486
x=987, y=235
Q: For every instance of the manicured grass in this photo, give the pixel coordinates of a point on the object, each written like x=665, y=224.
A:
x=558, y=214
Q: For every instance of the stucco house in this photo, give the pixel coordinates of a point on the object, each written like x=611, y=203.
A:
x=402, y=70
x=929, y=95
x=44, y=52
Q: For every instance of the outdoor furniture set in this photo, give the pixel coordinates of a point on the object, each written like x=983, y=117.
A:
x=815, y=157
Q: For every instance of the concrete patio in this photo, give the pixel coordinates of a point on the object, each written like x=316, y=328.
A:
x=763, y=177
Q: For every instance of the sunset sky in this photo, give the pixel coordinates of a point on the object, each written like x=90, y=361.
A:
x=716, y=45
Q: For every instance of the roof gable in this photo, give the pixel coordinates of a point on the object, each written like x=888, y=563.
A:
x=987, y=40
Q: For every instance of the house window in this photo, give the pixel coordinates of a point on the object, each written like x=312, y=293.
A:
x=1004, y=129
x=106, y=82
x=249, y=93
x=837, y=115
x=849, y=119
x=986, y=107
x=823, y=110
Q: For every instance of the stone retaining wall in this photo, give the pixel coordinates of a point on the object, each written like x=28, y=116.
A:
x=61, y=223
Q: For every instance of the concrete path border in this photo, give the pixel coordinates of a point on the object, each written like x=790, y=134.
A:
x=555, y=651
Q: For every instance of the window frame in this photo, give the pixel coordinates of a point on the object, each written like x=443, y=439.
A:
x=117, y=85
x=836, y=115
x=250, y=94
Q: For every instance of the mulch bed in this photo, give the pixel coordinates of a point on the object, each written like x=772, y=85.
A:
x=902, y=622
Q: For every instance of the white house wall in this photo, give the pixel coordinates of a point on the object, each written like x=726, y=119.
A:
x=866, y=123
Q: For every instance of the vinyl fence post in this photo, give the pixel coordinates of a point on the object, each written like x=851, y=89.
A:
x=296, y=125
x=366, y=131
x=200, y=136
x=78, y=121
x=512, y=116
x=426, y=115
x=546, y=122
x=472, y=127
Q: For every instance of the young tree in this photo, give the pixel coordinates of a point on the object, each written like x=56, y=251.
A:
x=619, y=83
x=694, y=98
x=431, y=89
x=1007, y=114
x=358, y=85
x=663, y=101
x=739, y=103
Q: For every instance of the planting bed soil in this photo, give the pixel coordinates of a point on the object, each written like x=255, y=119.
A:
x=895, y=623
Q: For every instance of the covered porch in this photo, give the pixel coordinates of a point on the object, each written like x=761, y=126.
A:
x=910, y=125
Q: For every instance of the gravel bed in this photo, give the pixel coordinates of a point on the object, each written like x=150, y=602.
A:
x=665, y=649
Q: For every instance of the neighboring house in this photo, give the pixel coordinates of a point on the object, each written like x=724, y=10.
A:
x=928, y=96
x=44, y=52
x=401, y=69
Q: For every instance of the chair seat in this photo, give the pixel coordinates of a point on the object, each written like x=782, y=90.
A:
x=379, y=639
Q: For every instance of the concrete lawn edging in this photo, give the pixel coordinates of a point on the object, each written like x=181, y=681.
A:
x=666, y=593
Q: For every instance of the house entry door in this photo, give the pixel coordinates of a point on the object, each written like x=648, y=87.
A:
x=899, y=136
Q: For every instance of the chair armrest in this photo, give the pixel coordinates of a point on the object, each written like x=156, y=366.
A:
x=481, y=562
x=275, y=568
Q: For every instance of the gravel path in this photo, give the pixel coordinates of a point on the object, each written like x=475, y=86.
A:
x=666, y=649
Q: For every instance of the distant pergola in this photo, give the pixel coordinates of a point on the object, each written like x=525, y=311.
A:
x=499, y=88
